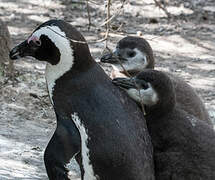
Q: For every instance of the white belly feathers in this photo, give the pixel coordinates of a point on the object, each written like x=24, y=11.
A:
x=88, y=169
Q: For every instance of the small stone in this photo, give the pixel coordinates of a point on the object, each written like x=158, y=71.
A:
x=139, y=33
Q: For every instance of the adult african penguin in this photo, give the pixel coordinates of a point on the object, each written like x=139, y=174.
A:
x=135, y=54
x=96, y=121
x=184, y=146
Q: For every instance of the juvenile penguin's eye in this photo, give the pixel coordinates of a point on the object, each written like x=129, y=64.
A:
x=131, y=54
x=141, y=84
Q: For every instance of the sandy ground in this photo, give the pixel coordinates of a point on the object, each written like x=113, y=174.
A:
x=183, y=45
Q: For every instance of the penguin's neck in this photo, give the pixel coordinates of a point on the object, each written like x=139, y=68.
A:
x=67, y=65
x=75, y=83
x=54, y=72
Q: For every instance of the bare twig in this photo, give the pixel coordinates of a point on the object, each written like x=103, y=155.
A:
x=115, y=15
x=11, y=71
x=88, y=13
x=7, y=82
x=152, y=39
x=141, y=98
x=108, y=23
x=142, y=103
x=125, y=71
x=75, y=41
x=163, y=8
x=4, y=84
x=40, y=98
x=120, y=63
x=94, y=2
x=76, y=2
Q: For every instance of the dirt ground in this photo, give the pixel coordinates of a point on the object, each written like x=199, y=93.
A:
x=183, y=45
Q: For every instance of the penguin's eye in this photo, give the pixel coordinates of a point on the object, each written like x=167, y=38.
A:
x=131, y=54
x=34, y=41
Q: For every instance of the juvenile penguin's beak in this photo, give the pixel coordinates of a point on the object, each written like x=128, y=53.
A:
x=125, y=83
x=24, y=49
x=130, y=83
x=111, y=58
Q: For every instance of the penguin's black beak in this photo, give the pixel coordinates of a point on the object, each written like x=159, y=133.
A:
x=24, y=49
x=111, y=58
x=18, y=51
x=130, y=83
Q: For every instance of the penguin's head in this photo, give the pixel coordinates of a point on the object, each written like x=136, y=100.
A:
x=54, y=41
x=133, y=53
x=152, y=88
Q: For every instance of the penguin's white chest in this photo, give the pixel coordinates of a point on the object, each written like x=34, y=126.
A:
x=50, y=81
x=88, y=168
x=54, y=72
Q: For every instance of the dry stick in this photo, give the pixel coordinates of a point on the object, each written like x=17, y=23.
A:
x=152, y=39
x=75, y=41
x=40, y=98
x=88, y=13
x=116, y=14
x=10, y=64
x=107, y=24
x=94, y=2
x=142, y=103
x=4, y=84
x=96, y=41
x=76, y=2
x=11, y=71
x=11, y=68
x=108, y=20
x=163, y=8
x=126, y=72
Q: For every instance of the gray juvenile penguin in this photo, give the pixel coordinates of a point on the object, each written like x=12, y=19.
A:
x=184, y=146
x=135, y=54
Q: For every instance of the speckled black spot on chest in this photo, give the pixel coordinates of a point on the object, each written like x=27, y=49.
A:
x=48, y=51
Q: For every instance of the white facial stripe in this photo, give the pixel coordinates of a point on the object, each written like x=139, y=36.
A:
x=148, y=96
x=138, y=62
x=88, y=169
x=140, y=56
x=54, y=72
